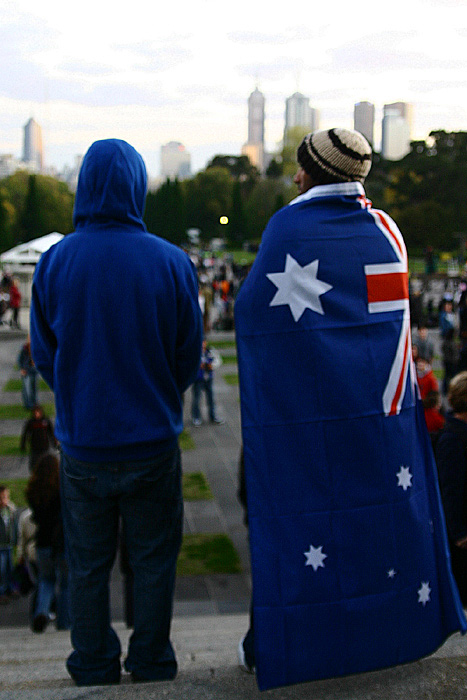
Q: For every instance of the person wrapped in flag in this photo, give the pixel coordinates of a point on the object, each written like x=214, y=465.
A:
x=350, y=562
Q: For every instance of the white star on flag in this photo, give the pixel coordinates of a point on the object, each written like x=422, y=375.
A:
x=424, y=593
x=404, y=478
x=299, y=287
x=391, y=573
x=315, y=557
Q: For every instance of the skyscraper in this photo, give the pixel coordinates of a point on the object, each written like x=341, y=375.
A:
x=364, y=120
x=175, y=161
x=33, y=154
x=256, y=104
x=299, y=113
x=396, y=130
x=254, y=147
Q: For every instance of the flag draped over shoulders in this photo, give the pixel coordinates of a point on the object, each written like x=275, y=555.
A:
x=349, y=553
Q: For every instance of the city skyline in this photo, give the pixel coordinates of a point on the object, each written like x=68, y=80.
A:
x=186, y=76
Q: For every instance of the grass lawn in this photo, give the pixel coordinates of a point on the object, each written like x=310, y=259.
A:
x=196, y=487
x=219, y=344
x=205, y=554
x=229, y=359
x=15, y=385
x=9, y=445
x=231, y=379
x=186, y=442
x=18, y=412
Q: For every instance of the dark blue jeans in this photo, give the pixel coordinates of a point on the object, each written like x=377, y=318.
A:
x=147, y=496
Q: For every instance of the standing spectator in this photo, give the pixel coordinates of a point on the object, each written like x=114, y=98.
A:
x=451, y=460
x=118, y=392
x=433, y=416
x=426, y=378
x=425, y=347
x=39, y=433
x=446, y=317
x=43, y=496
x=450, y=358
x=15, y=303
x=338, y=463
x=8, y=537
x=204, y=382
x=28, y=372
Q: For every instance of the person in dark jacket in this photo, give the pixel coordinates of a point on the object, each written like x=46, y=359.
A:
x=451, y=460
x=43, y=497
x=28, y=373
x=118, y=362
x=38, y=433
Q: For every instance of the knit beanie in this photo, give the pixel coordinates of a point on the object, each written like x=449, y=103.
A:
x=338, y=154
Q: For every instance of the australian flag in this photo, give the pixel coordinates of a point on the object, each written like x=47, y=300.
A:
x=350, y=561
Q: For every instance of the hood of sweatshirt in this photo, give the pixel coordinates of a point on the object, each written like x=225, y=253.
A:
x=111, y=185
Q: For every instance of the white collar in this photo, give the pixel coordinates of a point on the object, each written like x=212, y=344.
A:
x=338, y=188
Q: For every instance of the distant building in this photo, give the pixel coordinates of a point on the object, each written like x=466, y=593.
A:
x=404, y=109
x=256, y=103
x=70, y=174
x=396, y=130
x=9, y=165
x=254, y=147
x=33, y=154
x=175, y=161
x=364, y=120
x=299, y=113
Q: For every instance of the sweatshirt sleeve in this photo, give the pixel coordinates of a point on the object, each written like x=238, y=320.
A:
x=190, y=329
x=43, y=341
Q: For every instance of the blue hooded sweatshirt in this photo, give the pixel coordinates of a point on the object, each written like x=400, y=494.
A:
x=115, y=322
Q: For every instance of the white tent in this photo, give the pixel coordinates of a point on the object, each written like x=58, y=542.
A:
x=30, y=252
x=21, y=260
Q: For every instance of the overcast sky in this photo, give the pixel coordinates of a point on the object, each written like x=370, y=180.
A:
x=182, y=71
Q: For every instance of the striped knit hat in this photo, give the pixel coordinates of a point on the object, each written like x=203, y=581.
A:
x=341, y=154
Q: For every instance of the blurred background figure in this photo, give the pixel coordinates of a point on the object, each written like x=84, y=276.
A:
x=210, y=360
x=43, y=496
x=37, y=436
x=451, y=460
x=28, y=376
x=8, y=537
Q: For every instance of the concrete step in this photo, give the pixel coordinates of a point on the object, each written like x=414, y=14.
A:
x=32, y=668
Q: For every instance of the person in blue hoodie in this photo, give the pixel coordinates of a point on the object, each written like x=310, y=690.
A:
x=116, y=333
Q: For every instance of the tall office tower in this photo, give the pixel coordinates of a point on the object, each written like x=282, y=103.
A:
x=396, y=130
x=256, y=103
x=395, y=139
x=175, y=161
x=404, y=109
x=254, y=147
x=299, y=113
x=33, y=154
x=364, y=120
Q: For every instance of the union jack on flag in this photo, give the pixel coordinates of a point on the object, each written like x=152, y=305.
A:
x=388, y=290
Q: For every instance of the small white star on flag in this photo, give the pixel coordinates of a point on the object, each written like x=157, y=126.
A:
x=299, y=287
x=315, y=557
x=424, y=593
x=392, y=573
x=404, y=478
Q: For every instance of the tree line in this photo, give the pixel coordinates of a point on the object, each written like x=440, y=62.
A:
x=424, y=192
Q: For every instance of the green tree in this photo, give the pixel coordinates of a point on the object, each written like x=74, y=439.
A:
x=208, y=197
x=165, y=212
